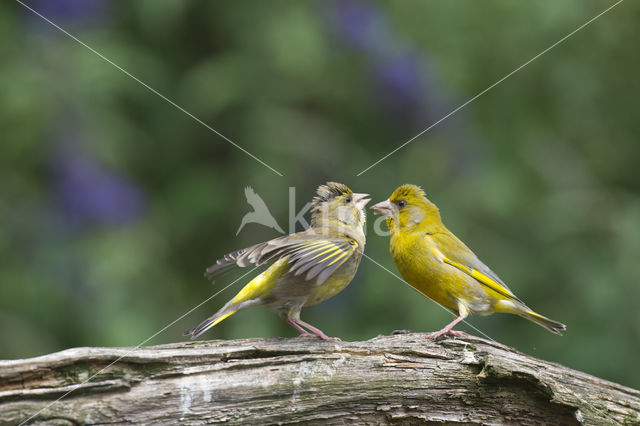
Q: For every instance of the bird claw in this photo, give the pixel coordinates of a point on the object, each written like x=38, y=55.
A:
x=321, y=336
x=437, y=334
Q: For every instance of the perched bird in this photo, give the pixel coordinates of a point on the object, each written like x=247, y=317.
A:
x=309, y=267
x=437, y=264
x=260, y=213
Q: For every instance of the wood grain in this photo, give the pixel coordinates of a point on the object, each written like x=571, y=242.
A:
x=402, y=378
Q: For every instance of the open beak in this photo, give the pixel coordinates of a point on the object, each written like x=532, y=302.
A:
x=360, y=200
x=384, y=208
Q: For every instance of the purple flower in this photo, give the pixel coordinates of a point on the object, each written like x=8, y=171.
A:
x=87, y=191
x=396, y=69
x=69, y=10
x=400, y=81
x=356, y=22
x=405, y=85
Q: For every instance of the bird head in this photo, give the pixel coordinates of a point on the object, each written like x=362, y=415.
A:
x=408, y=209
x=336, y=205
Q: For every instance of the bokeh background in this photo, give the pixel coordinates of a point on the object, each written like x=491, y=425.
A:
x=112, y=201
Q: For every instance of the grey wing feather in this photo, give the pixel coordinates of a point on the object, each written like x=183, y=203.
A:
x=470, y=260
x=306, y=253
x=334, y=253
x=328, y=266
x=256, y=254
x=226, y=262
x=330, y=269
x=474, y=262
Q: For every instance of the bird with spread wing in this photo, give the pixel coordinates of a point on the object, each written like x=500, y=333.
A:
x=308, y=267
x=260, y=213
x=440, y=266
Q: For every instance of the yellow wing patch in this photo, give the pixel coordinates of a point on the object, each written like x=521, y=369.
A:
x=482, y=278
x=339, y=257
x=324, y=259
x=333, y=249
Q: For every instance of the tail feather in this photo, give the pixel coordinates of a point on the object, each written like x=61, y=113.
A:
x=551, y=325
x=209, y=322
x=234, y=305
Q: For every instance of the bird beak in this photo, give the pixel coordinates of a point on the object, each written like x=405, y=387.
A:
x=360, y=200
x=384, y=208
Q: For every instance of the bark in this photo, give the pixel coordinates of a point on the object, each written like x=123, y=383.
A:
x=402, y=378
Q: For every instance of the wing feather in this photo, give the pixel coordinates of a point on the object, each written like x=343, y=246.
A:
x=333, y=266
x=483, y=279
x=308, y=260
x=304, y=264
x=326, y=265
x=306, y=253
x=455, y=253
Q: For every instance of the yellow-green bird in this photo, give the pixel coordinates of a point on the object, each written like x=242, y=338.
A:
x=440, y=266
x=308, y=267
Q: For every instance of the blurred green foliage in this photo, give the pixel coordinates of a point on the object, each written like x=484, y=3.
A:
x=112, y=201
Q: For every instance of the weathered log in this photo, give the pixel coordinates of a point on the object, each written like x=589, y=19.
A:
x=402, y=378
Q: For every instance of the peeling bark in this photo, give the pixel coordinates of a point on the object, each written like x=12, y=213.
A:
x=402, y=378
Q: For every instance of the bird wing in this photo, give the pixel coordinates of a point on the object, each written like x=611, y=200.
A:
x=249, y=192
x=454, y=252
x=255, y=200
x=316, y=255
x=321, y=258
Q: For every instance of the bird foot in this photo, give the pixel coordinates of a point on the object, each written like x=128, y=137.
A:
x=314, y=331
x=321, y=336
x=437, y=334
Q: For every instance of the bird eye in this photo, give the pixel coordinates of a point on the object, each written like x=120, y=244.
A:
x=402, y=203
x=348, y=199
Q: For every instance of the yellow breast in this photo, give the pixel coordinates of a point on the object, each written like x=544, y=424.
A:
x=422, y=269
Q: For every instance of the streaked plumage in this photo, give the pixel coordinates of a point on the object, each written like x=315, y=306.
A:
x=440, y=266
x=309, y=267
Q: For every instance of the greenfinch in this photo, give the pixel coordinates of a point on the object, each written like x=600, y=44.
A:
x=308, y=267
x=440, y=266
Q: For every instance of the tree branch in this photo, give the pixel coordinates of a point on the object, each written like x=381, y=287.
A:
x=401, y=378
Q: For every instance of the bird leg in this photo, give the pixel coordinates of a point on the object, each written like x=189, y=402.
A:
x=463, y=313
x=316, y=331
x=303, y=332
x=295, y=321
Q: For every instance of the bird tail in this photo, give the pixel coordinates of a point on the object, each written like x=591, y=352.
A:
x=551, y=325
x=252, y=293
x=226, y=311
